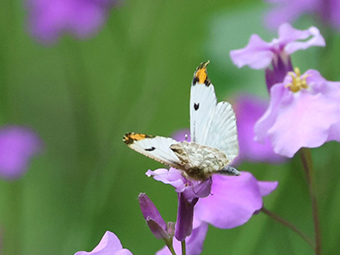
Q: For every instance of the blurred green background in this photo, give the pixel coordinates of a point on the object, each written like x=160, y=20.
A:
x=82, y=96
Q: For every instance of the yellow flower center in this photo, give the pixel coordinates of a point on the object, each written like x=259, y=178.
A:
x=298, y=82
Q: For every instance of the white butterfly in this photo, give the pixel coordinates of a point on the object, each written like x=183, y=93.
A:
x=213, y=133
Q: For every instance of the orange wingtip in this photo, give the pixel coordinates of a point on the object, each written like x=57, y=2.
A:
x=201, y=73
x=130, y=137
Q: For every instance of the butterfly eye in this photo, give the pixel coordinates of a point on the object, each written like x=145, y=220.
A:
x=196, y=106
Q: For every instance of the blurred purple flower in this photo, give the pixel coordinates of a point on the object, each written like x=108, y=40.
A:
x=248, y=110
x=17, y=146
x=182, y=135
x=259, y=54
x=291, y=10
x=49, y=19
x=109, y=245
x=304, y=111
x=194, y=243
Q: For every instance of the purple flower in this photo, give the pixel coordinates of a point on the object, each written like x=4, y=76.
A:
x=48, y=19
x=231, y=202
x=248, y=110
x=259, y=54
x=194, y=242
x=188, y=193
x=17, y=146
x=303, y=112
x=109, y=245
x=191, y=189
x=153, y=218
x=291, y=10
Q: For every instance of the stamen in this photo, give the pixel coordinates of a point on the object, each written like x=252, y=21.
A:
x=298, y=82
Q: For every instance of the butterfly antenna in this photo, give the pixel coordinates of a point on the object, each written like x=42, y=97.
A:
x=203, y=64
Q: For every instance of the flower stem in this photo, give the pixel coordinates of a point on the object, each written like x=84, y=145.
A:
x=183, y=247
x=171, y=248
x=290, y=225
x=306, y=158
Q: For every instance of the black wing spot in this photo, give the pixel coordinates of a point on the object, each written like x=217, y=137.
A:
x=195, y=80
x=150, y=149
x=196, y=106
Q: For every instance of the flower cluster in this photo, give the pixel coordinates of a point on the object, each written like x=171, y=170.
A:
x=303, y=109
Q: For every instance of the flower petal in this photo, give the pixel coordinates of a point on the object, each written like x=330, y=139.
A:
x=267, y=187
x=269, y=117
x=233, y=200
x=289, y=37
x=152, y=216
x=172, y=176
x=108, y=245
x=301, y=119
x=248, y=110
x=190, y=188
x=257, y=54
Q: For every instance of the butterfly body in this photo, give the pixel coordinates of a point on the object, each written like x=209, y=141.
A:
x=213, y=134
x=199, y=161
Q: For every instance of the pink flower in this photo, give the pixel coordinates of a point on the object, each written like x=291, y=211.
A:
x=303, y=112
x=259, y=54
x=17, y=146
x=291, y=10
x=48, y=19
x=109, y=245
x=248, y=110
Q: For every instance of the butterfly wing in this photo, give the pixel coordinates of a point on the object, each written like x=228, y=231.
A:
x=202, y=105
x=222, y=133
x=211, y=124
x=155, y=147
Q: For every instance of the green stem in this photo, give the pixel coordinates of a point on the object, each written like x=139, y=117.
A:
x=171, y=249
x=183, y=248
x=290, y=225
x=307, y=162
x=168, y=243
